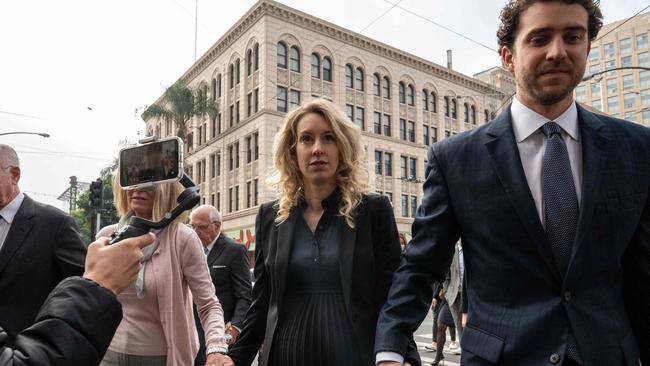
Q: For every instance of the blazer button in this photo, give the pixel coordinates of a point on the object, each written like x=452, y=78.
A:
x=567, y=295
x=555, y=358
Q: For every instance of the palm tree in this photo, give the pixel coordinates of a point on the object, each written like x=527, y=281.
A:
x=179, y=104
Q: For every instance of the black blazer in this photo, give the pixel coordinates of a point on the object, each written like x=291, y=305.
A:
x=230, y=272
x=369, y=255
x=520, y=306
x=43, y=246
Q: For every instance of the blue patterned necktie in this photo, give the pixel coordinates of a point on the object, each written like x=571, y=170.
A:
x=206, y=250
x=561, y=207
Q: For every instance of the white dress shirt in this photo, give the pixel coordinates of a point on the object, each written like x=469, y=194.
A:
x=8, y=213
x=531, y=144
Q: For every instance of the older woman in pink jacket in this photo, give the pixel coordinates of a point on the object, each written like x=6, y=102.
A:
x=157, y=328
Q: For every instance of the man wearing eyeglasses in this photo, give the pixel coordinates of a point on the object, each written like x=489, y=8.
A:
x=229, y=268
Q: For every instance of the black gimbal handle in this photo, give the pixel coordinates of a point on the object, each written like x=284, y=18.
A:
x=137, y=226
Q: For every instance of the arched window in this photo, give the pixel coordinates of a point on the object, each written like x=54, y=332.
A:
x=487, y=115
x=402, y=92
x=214, y=89
x=327, y=69
x=410, y=98
x=434, y=103
x=256, y=55
x=237, y=72
x=386, y=87
x=425, y=99
x=295, y=59
x=466, y=110
x=446, y=106
x=282, y=55
x=453, y=109
x=231, y=76
x=349, y=83
x=249, y=62
x=358, y=76
x=473, y=114
x=315, y=66
x=218, y=85
x=376, y=85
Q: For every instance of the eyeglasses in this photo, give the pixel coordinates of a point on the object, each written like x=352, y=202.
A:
x=200, y=226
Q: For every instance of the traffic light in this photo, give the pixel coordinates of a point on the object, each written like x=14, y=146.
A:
x=95, y=198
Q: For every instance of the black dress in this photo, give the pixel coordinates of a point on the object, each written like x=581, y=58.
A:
x=313, y=327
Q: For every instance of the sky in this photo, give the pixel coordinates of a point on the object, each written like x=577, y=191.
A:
x=82, y=70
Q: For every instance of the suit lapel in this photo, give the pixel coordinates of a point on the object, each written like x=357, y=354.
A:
x=20, y=227
x=346, y=254
x=504, y=153
x=283, y=246
x=217, y=249
x=594, y=145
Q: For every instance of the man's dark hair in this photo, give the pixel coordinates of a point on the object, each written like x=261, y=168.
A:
x=512, y=12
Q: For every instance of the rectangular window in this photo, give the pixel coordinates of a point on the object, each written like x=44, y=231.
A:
x=642, y=41
x=349, y=111
x=237, y=112
x=625, y=46
x=359, y=118
x=434, y=134
x=646, y=117
x=644, y=78
x=212, y=199
x=597, y=104
x=218, y=205
x=218, y=123
x=249, y=149
x=643, y=59
x=628, y=82
x=595, y=90
x=626, y=61
x=236, y=198
x=447, y=134
x=217, y=166
x=402, y=167
x=387, y=126
x=611, y=86
x=256, y=92
x=376, y=121
x=232, y=115
x=389, y=195
x=608, y=49
x=402, y=129
x=628, y=100
x=213, y=173
x=630, y=116
x=414, y=205
x=256, y=193
x=412, y=164
x=388, y=164
x=611, y=64
x=230, y=200
x=405, y=205
x=236, y=155
x=282, y=99
x=295, y=98
x=594, y=54
x=411, y=131
x=645, y=97
x=249, y=104
x=248, y=194
x=425, y=135
x=256, y=146
x=581, y=95
x=231, y=158
x=378, y=165
x=612, y=104
x=594, y=69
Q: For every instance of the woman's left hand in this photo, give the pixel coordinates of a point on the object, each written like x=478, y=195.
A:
x=217, y=359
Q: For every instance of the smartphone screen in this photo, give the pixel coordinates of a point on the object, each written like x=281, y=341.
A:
x=155, y=162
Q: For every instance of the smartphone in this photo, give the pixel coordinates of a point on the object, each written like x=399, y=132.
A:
x=156, y=162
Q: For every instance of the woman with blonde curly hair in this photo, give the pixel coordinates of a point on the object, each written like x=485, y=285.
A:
x=326, y=250
x=157, y=327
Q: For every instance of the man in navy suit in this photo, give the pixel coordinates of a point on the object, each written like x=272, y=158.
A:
x=39, y=246
x=552, y=204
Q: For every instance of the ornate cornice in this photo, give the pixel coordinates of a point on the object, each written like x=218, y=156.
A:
x=287, y=14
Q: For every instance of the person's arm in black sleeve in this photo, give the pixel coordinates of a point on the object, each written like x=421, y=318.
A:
x=241, y=281
x=69, y=250
x=73, y=328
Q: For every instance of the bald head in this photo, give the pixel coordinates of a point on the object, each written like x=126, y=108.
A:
x=9, y=174
x=206, y=221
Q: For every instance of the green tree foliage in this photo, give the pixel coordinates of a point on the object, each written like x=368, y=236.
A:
x=179, y=104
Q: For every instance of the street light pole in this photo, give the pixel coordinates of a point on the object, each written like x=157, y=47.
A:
x=43, y=134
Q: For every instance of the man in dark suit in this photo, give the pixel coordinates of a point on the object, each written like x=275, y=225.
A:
x=229, y=268
x=552, y=203
x=39, y=246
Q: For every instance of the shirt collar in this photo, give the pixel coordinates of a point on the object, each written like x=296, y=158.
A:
x=525, y=121
x=9, y=211
x=211, y=245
